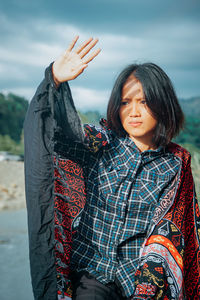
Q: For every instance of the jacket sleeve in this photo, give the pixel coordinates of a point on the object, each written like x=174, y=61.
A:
x=51, y=114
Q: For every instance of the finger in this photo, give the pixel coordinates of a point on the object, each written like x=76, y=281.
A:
x=92, y=56
x=72, y=44
x=82, y=46
x=88, y=48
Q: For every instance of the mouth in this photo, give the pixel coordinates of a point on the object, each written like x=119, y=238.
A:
x=134, y=124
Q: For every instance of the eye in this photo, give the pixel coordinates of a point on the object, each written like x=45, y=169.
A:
x=124, y=102
x=143, y=101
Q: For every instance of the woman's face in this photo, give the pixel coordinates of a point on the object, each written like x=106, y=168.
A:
x=135, y=116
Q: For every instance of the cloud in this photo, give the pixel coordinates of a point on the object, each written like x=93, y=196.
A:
x=26, y=49
x=26, y=93
x=42, y=41
x=90, y=99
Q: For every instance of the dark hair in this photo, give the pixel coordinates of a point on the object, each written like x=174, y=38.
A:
x=160, y=98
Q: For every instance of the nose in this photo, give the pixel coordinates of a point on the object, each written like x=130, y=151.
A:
x=134, y=110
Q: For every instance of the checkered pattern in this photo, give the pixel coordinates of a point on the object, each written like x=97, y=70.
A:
x=124, y=187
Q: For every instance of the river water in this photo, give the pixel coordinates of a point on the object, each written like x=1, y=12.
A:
x=15, y=281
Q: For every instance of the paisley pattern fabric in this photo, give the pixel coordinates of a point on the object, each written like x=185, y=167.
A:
x=69, y=201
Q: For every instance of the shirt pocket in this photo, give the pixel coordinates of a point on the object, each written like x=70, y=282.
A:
x=107, y=181
x=152, y=186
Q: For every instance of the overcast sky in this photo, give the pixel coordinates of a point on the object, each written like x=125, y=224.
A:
x=34, y=33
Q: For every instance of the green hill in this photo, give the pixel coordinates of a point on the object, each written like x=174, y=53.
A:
x=13, y=109
x=191, y=106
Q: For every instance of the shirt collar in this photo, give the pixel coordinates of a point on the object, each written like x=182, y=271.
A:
x=130, y=143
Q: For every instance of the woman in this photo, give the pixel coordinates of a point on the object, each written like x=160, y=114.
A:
x=112, y=211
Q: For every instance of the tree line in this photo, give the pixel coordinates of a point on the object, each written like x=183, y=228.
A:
x=13, y=110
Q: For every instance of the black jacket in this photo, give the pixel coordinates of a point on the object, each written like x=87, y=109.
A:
x=41, y=125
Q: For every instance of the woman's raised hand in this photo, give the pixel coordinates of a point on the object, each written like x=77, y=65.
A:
x=72, y=63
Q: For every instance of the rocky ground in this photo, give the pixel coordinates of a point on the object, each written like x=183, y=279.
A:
x=12, y=194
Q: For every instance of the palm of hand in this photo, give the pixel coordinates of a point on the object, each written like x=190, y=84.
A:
x=72, y=63
x=69, y=65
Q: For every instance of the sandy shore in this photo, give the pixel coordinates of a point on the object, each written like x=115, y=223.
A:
x=12, y=194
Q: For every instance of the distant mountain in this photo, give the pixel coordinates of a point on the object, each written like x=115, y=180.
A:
x=191, y=106
x=13, y=109
x=12, y=113
x=92, y=117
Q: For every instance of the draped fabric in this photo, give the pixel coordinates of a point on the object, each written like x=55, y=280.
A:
x=55, y=193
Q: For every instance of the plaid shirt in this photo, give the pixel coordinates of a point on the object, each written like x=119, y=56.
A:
x=123, y=188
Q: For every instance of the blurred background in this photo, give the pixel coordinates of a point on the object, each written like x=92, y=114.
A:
x=33, y=34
